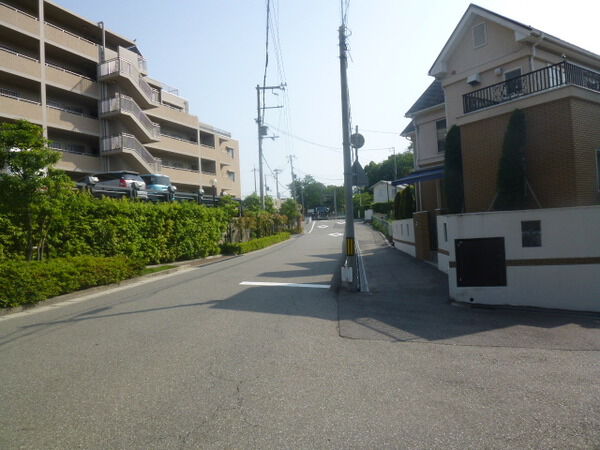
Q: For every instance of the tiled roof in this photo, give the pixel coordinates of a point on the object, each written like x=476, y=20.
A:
x=433, y=95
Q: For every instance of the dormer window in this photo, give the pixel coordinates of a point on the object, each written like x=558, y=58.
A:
x=479, y=35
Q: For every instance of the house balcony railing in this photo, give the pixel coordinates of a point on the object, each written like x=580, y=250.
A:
x=127, y=143
x=119, y=66
x=550, y=77
x=126, y=105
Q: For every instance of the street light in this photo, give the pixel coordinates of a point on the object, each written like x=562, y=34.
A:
x=213, y=183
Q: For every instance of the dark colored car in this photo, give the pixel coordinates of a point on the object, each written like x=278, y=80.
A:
x=321, y=212
x=120, y=183
x=159, y=187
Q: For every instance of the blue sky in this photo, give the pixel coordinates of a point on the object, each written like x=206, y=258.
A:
x=213, y=51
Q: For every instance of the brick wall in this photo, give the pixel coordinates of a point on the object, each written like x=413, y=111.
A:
x=586, y=126
x=561, y=136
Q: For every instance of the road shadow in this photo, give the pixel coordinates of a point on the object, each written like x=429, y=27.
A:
x=409, y=302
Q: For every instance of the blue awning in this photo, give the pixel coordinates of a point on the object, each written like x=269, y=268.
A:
x=420, y=175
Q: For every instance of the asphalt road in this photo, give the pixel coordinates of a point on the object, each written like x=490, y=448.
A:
x=198, y=360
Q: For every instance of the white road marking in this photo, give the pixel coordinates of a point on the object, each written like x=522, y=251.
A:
x=268, y=283
x=84, y=298
x=336, y=234
x=311, y=228
x=364, y=284
x=323, y=226
x=341, y=222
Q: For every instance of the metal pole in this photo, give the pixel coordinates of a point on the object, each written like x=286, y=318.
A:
x=260, y=150
x=293, y=177
x=254, y=170
x=395, y=164
x=349, y=244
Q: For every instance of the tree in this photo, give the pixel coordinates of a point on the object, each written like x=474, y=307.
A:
x=251, y=203
x=361, y=201
x=291, y=209
x=453, y=171
x=309, y=189
x=511, y=183
x=30, y=191
x=385, y=169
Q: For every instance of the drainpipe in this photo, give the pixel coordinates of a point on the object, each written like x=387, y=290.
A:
x=103, y=96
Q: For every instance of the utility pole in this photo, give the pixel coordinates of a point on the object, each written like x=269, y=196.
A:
x=349, y=247
x=395, y=164
x=291, y=157
x=277, y=172
x=254, y=170
x=262, y=133
x=335, y=200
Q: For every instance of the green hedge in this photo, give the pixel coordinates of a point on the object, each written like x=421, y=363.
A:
x=23, y=282
x=155, y=233
x=254, y=244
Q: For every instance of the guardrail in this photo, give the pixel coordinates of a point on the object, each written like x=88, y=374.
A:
x=6, y=93
x=125, y=68
x=126, y=141
x=14, y=52
x=125, y=104
x=18, y=10
x=70, y=33
x=550, y=77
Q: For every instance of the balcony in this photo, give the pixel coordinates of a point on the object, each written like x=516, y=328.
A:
x=128, y=144
x=120, y=68
x=122, y=104
x=71, y=81
x=561, y=74
x=70, y=41
x=176, y=145
x=182, y=176
x=12, y=61
x=66, y=119
x=19, y=20
x=15, y=107
x=174, y=115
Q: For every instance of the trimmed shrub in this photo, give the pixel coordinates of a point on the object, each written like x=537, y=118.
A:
x=404, y=203
x=23, y=282
x=453, y=171
x=382, y=207
x=511, y=182
x=254, y=244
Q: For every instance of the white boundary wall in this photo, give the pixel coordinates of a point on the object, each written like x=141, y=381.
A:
x=547, y=276
x=403, y=232
x=444, y=243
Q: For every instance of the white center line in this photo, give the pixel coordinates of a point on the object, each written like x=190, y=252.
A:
x=311, y=228
x=268, y=283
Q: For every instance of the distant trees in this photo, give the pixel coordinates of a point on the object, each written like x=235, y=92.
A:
x=511, y=183
x=385, y=169
x=453, y=172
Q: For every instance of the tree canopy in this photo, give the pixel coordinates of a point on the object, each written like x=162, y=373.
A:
x=385, y=169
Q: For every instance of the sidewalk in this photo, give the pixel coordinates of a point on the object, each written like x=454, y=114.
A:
x=408, y=301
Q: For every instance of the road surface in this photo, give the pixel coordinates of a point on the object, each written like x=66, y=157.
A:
x=224, y=356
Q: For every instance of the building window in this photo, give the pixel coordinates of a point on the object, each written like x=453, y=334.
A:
x=231, y=175
x=479, y=35
x=230, y=151
x=207, y=139
x=513, y=80
x=208, y=166
x=531, y=233
x=440, y=126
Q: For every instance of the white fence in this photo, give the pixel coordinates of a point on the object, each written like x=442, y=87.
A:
x=552, y=257
x=403, y=232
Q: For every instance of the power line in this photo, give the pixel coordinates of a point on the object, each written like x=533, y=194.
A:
x=328, y=147
x=381, y=132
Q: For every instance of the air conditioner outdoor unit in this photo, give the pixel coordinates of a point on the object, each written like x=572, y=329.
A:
x=474, y=79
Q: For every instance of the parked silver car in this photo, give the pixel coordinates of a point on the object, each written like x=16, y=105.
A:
x=120, y=184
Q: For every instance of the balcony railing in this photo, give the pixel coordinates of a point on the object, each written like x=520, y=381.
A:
x=125, y=68
x=560, y=74
x=125, y=104
x=123, y=142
